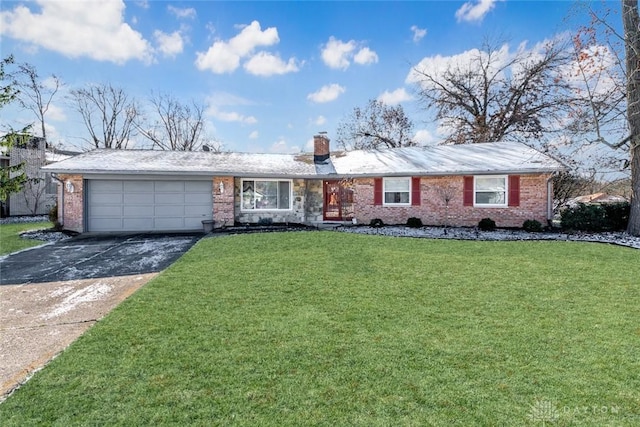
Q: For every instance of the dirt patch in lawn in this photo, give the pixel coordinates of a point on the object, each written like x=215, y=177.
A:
x=38, y=321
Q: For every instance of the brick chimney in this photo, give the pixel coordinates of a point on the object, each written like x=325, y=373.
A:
x=320, y=147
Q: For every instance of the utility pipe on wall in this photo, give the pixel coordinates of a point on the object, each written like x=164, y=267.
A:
x=61, y=206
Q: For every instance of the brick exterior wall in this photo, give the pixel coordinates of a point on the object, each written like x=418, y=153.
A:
x=433, y=211
x=73, y=203
x=307, y=203
x=223, y=201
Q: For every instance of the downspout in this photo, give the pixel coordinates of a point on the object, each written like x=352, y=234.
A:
x=61, y=207
x=550, y=200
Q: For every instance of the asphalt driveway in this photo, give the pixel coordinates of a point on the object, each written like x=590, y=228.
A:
x=54, y=293
x=89, y=257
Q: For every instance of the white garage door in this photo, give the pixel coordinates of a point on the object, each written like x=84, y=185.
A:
x=130, y=205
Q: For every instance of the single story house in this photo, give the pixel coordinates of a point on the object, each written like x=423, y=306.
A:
x=145, y=190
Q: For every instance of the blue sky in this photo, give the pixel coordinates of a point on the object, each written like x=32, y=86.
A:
x=271, y=74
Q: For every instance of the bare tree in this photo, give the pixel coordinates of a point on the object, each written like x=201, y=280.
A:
x=447, y=193
x=375, y=126
x=177, y=126
x=609, y=106
x=567, y=185
x=631, y=24
x=492, y=93
x=36, y=94
x=108, y=113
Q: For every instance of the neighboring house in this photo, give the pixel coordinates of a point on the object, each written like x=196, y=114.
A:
x=597, y=199
x=39, y=193
x=143, y=190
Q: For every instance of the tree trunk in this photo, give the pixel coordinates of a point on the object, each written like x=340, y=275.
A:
x=631, y=20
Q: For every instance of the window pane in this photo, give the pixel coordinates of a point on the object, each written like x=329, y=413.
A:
x=248, y=195
x=396, y=184
x=283, y=195
x=266, y=195
x=490, y=184
x=490, y=198
x=396, y=197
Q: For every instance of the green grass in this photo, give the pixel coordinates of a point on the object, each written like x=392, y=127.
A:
x=10, y=240
x=336, y=329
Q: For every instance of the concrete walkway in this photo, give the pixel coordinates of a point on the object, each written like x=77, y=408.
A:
x=38, y=321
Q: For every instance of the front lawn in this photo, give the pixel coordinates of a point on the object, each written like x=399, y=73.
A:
x=10, y=240
x=333, y=329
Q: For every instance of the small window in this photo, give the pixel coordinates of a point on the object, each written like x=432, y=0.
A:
x=490, y=191
x=51, y=185
x=397, y=191
x=266, y=195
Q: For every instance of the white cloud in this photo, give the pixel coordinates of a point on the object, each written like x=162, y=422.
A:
x=308, y=146
x=474, y=10
x=78, y=29
x=395, y=97
x=326, y=93
x=230, y=116
x=226, y=98
x=365, y=56
x=320, y=120
x=465, y=62
x=220, y=59
x=418, y=33
x=336, y=53
x=56, y=113
x=267, y=64
x=424, y=137
x=281, y=146
x=254, y=135
x=224, y=56
x=169, y=44
x=183, y=13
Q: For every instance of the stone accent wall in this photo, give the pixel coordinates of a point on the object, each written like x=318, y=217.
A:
x=223, y=201
x=315, y=200
x=433, y=210
x=306, y=205
x=73, y=203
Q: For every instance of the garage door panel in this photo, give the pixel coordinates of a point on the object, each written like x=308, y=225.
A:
x=169, y=210
x=105, y=224
x=138, y=186
x=197, y=186
x=109, y=211
x=170, y=223
x=148, y=205
x=196, y=198
x=197, y=211
x=169, y=198
x=169, y=186
x=138, y=211
x=139, y=198
x=137, y=224
x=105, y=198
x=107, y=186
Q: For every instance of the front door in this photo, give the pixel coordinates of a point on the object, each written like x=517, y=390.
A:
x=338, y=201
